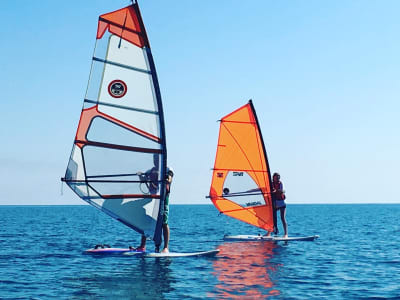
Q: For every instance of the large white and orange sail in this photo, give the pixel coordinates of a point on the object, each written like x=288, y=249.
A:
x=121, y=133
x=241, y=180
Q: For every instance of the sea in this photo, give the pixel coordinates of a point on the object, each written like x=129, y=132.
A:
x=356, y=257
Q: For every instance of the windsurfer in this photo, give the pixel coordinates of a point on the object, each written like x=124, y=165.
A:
x=278, y=196
x=150, y=179
x=170, y=174
x=166, y=231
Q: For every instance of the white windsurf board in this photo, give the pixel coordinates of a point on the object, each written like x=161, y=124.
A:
x=177, y=254
x=269, y=238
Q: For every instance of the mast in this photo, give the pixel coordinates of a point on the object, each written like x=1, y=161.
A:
x=157, y=238
x=267, y=163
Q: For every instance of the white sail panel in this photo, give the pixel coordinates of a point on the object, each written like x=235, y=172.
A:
x=103, y=130
x=138, y=106
x=124, y=53
x=138, y=213
x=75, y=170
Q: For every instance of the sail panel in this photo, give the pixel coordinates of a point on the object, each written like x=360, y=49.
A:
x=107, y=131
x=124, y=53
x=239, y=187
x=126, y=91
x=119, y=154
x=135, y=90
x=240, y=184
x=125, y=23
x=105, y=162
x=75, y=170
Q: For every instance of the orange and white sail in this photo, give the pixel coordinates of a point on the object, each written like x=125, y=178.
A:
x=241, y=181
x=121, y=133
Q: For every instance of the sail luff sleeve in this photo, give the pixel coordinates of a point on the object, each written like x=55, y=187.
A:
x=268, y=173
x=157, y=236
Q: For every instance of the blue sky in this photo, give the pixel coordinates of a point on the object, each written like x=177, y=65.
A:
x=323, y=75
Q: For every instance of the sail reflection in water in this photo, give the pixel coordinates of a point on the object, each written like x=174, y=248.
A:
x=243, y=271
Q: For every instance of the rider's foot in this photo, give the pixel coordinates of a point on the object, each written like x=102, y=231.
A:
x=165, y=250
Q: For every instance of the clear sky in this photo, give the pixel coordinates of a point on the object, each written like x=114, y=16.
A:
x=324, y=77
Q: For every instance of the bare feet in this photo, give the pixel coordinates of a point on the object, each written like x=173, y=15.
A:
x=285, y=236
x=165, y=250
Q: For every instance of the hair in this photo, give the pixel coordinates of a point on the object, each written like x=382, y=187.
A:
x=276, y=174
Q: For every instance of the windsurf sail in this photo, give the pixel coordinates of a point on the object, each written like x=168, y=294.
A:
x=119, y=156
x=241, y=180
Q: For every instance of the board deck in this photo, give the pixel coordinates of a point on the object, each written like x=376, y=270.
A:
x=112, y=251
x=182, y=254
x=130, y=252
x=269, y=238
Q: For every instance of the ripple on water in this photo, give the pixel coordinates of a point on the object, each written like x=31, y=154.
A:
x=356, y=257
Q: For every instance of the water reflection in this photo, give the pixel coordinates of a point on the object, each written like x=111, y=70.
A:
x=129, y=278
x=244, y=269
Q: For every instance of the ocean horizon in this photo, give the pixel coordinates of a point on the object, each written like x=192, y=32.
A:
x=210, y=204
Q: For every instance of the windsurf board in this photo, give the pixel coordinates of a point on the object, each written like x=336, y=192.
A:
x=134, y=252
x=269, y=238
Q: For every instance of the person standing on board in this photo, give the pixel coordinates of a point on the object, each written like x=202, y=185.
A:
x=278, y=196
x=168, y=179
x=170, y=174
x=150, y=178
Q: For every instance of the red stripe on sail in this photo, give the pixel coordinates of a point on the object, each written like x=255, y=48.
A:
x=124, y=23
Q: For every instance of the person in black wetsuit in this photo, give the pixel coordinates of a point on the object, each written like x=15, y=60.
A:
x=150, y=178
x=168, y=179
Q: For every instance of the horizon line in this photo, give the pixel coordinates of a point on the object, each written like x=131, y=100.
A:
x=316, y=203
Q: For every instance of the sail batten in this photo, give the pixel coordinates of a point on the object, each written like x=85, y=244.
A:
x=118, y=25
x=238, y=122
x=119, y=147
x=244, y=170
x=120, y=65
x=240, y=186
x=118, y=159
x=122, y=107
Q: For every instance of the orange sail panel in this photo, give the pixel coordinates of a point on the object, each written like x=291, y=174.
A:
x=124, y=23
x=241, y=185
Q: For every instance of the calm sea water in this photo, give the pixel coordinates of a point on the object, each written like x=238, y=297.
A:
x=357, y=256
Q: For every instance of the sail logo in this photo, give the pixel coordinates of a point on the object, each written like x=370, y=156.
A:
x=255, y=203
x=117, y=88
x=237, y=173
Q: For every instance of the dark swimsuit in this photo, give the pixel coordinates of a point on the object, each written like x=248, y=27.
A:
x=277, y=196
